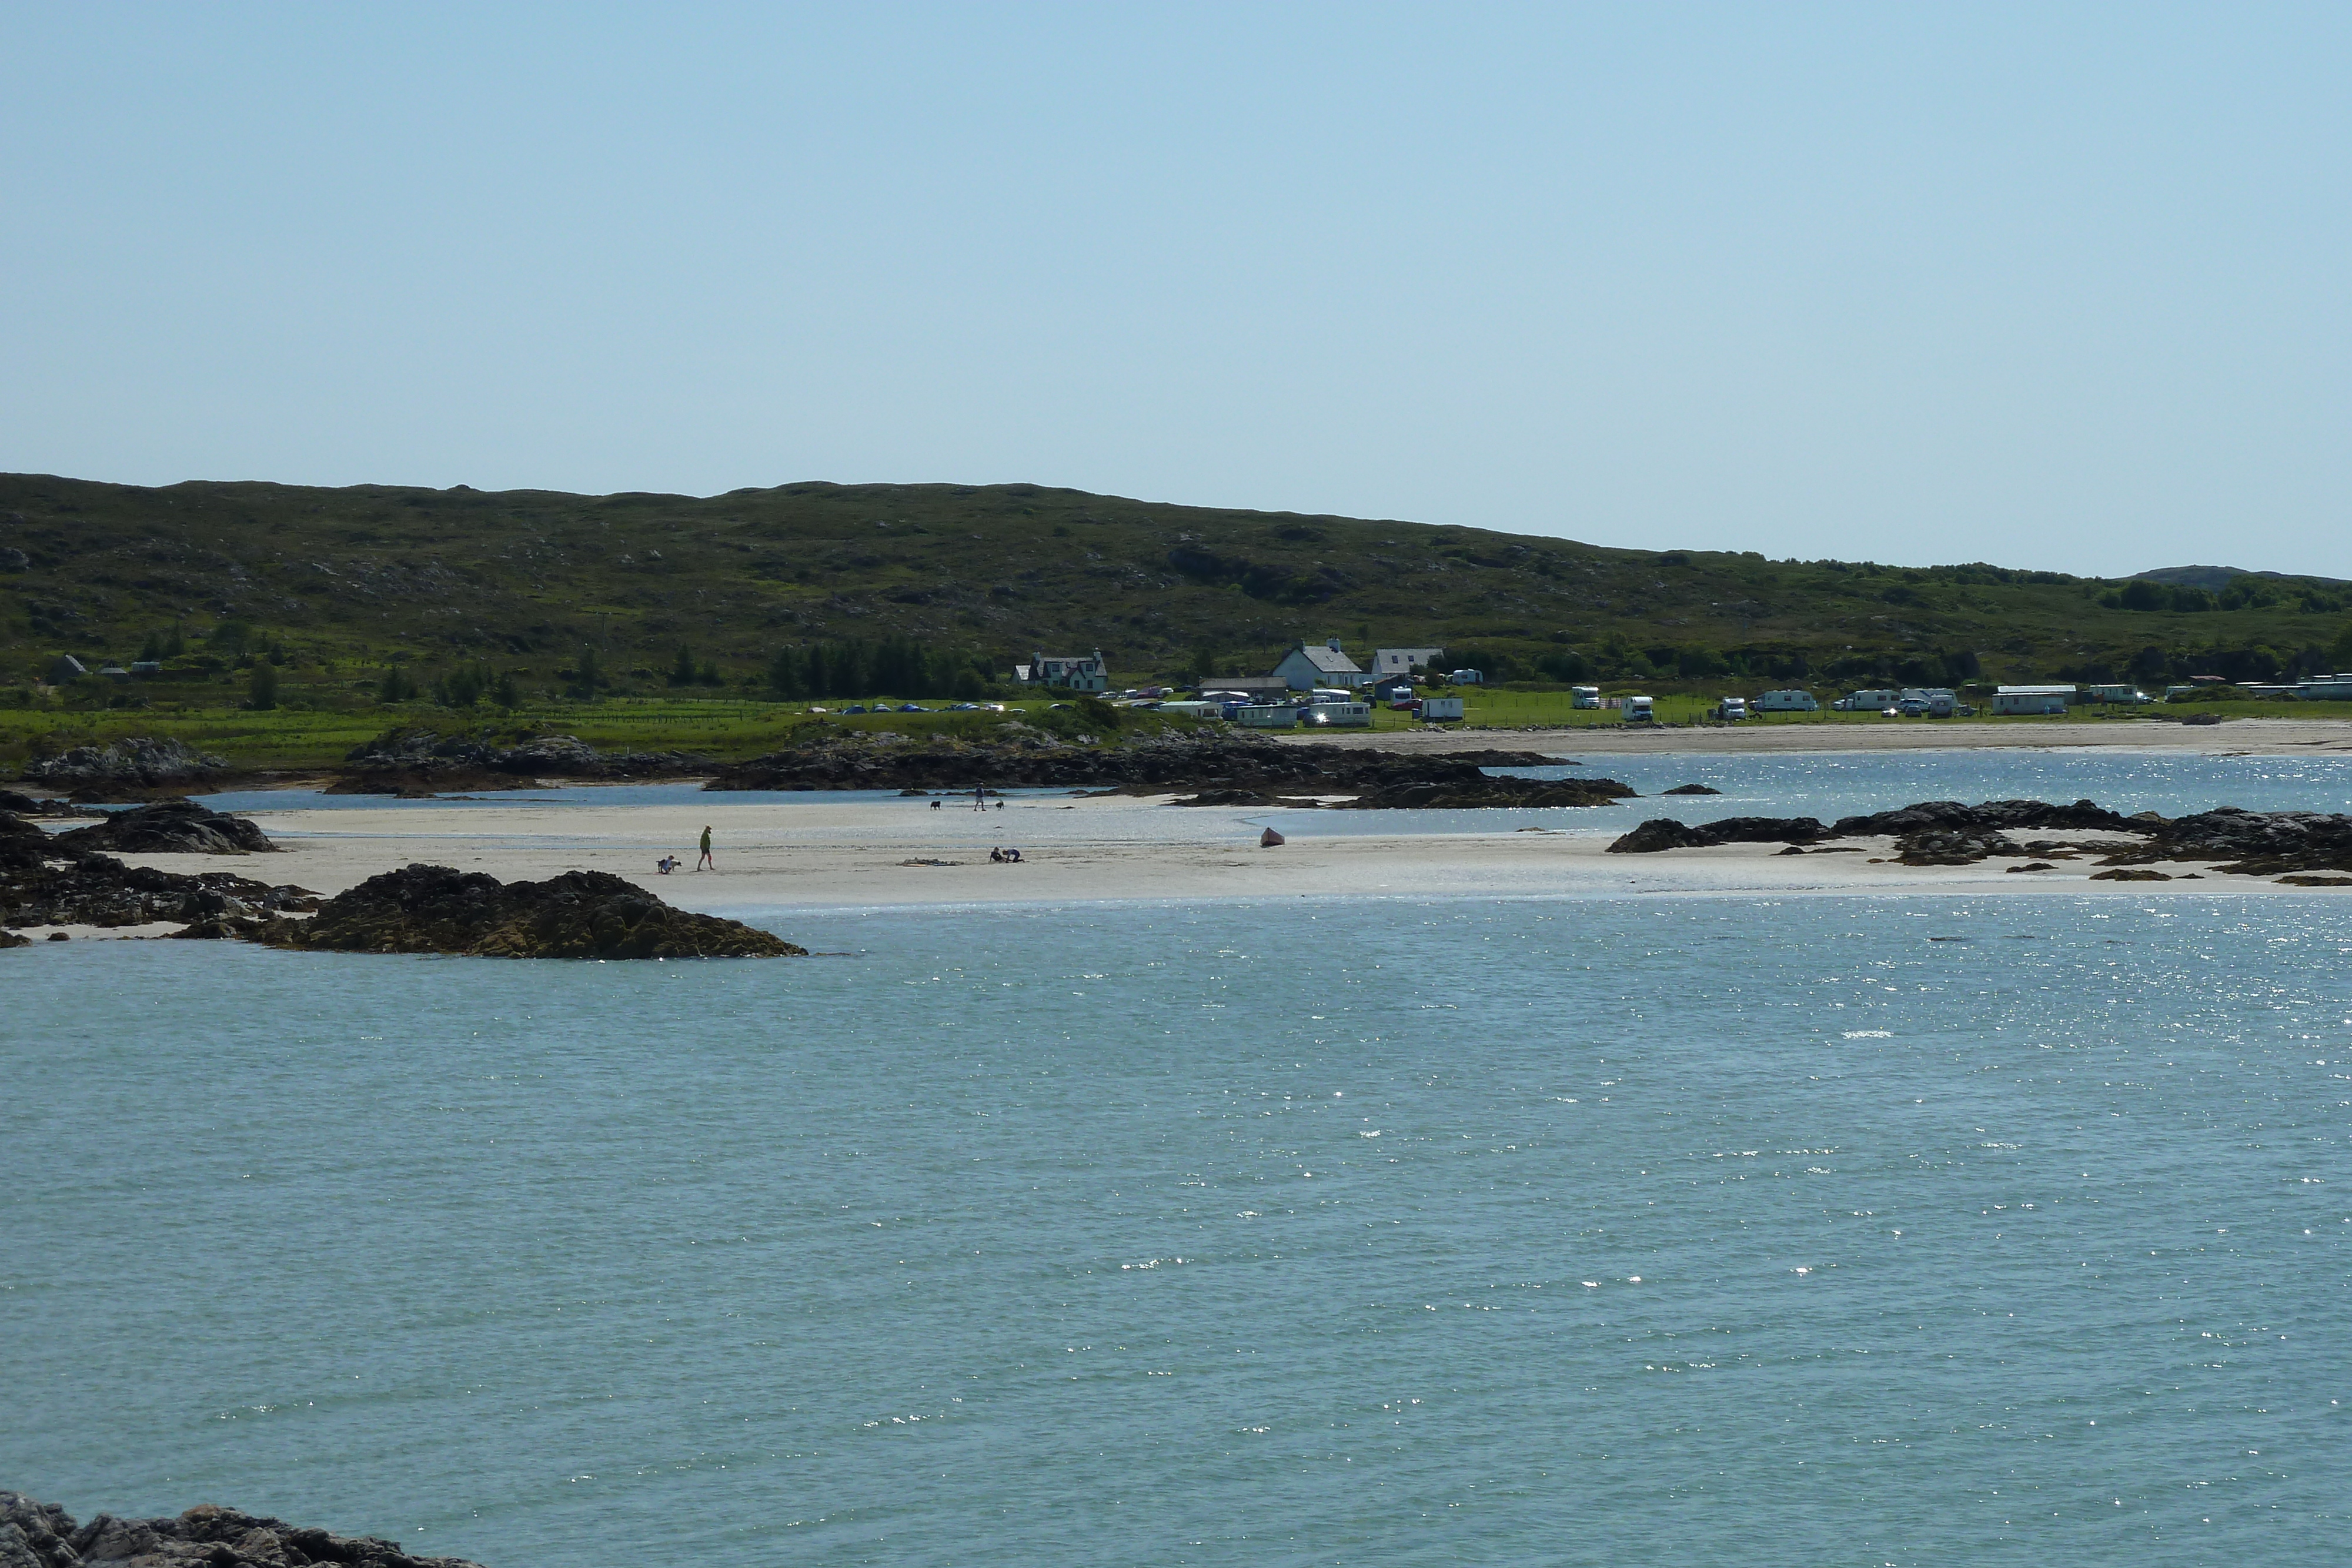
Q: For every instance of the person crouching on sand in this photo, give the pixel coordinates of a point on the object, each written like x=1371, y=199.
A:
x=667, y=865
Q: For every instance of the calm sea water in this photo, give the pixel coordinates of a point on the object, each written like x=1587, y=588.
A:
x=1680, y=1231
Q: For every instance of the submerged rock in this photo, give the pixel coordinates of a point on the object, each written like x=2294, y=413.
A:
x=43, y=1535
x=171, y=826
x=580, y=915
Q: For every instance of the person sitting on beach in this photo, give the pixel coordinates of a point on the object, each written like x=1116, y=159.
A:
x=667, y=865
x=996, y=857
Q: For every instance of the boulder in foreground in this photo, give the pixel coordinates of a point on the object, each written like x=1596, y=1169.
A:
x=580, y=915
x=43, y=1535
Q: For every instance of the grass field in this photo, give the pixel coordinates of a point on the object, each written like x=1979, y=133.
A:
x=731, y=728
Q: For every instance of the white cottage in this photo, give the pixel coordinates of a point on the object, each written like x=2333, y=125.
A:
x=1307, y=666
x=1090, y=673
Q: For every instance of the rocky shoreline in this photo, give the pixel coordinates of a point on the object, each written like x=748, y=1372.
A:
x=35, y=1534
x=2306, y=849
x=1216, y=770
x=64, y=879
x=580, y=915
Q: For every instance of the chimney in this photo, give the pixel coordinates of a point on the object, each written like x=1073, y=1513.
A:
x=1332, y=643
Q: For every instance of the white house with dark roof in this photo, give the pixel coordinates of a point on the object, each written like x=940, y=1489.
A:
x=1389, y=662
x=1311, y=665
x=1087, y=674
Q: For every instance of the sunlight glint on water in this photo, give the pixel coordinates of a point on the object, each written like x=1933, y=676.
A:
x=1686, y=1232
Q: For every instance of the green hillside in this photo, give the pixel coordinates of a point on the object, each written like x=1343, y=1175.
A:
x=943, y=587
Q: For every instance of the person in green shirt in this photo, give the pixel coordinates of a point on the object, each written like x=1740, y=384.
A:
x=706, y=860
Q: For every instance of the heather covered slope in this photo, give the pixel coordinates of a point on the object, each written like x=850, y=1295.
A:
x=520, y=580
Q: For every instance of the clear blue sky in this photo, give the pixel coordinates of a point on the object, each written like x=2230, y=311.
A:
x=2050, y=286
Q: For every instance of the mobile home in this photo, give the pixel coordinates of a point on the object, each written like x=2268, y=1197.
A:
x=1867, y=701
x=1435, y=710
x=1337, y=715
x=2031, y=699
x=1267, y=716
x=1786, y=702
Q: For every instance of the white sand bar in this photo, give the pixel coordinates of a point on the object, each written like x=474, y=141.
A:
x=858, y=854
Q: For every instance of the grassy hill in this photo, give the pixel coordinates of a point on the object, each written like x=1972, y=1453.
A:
x=340, y=588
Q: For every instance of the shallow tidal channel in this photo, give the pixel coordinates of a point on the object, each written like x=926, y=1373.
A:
x=1678, y=1230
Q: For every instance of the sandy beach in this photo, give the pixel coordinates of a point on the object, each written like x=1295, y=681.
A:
x=2237, y=737
x=1076, y=851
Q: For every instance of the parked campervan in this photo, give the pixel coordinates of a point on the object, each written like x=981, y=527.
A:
x=1584, y=696
x=1638, y=710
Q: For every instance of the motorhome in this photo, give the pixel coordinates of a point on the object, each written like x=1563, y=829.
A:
x=1638, y=710
x=1731, y=710
x=1584, y=696
x=1786, y=702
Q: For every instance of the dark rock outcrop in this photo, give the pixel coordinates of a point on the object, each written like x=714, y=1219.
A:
x=822, y=758
x=1666, y=833
x=1691, y=789
x=43, y=1535
x=171, y=826
x=1945, y=832
x=580, y=915
x=1490, y=792
x=426, y=762
x=46, y=881
x=1954, y=846
x=141, y=762
x=2260, y=843
x=1993, y=816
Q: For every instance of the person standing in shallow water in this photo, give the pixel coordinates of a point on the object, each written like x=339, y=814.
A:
x=706, y=860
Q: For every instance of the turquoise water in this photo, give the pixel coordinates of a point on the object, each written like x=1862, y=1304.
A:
x=1676, y=1231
